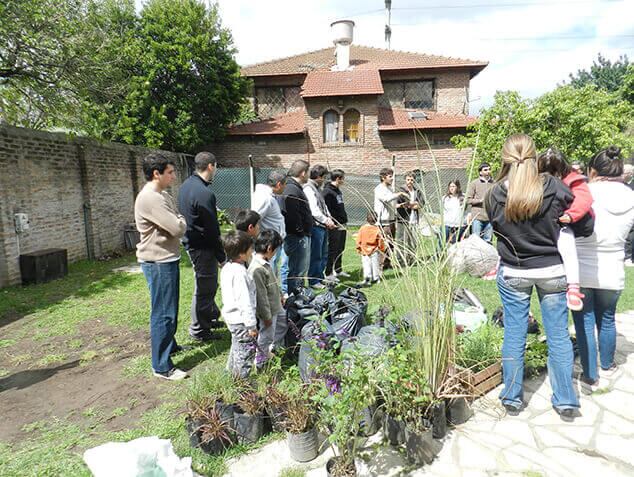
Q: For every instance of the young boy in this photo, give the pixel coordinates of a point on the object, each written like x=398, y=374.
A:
x=248, y=221
x=239, y=302
x=268, y=297
x=370, y=245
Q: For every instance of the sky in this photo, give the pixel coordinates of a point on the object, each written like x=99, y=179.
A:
x=531, y=45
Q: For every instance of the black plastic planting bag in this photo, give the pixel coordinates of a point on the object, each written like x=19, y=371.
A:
x=347, y=324
x=353, y=300
x=299, y=310
x=370, y=341
x=326, y=304
x=314, y=339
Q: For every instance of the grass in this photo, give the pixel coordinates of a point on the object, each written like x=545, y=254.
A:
x=43, y=324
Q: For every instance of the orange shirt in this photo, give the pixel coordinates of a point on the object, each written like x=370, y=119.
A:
x=369, y=240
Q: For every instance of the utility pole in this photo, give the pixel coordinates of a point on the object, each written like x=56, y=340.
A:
x=388, y=23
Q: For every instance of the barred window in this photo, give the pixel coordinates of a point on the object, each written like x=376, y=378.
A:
x=331, y=126
x=408, y=94
x=351, y=126
x=271, y=101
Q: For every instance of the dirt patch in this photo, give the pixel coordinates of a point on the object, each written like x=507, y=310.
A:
x=74, y=390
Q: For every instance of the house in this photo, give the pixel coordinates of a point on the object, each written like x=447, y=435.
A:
x=354, y=107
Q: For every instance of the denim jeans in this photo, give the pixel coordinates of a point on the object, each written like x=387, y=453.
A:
x=483, y=228
x=599, y=308
x=318, y=255
x=297, y=248
x=279, y=263
x=163, y=282
x=516, y=298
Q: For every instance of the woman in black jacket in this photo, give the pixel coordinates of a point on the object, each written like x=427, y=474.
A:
x=524, y=208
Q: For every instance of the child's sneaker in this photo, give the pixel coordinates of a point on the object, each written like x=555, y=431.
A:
x=574, y=298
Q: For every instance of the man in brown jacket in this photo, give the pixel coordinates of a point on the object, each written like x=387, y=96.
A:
x=476, y=192
x=161, y=228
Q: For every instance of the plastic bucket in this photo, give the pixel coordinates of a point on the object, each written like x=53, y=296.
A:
x=303, y=447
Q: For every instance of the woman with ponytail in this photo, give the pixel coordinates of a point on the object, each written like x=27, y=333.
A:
x=601, y=257
x=524, y=208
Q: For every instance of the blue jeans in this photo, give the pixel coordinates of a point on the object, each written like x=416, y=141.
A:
x=516, y=299
x=280, y=268
x=483, y=228
x=318, y=255
x=163, y=282
x=599, y=308
x=298, y=251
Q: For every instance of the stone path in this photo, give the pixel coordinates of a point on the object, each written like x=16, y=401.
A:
x=535, y=443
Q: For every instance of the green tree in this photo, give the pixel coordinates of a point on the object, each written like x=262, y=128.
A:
x=579, y=121
x=38, y=63
x=603, y=74
x=185, y=86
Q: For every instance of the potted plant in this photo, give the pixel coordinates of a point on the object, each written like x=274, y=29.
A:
x=249, y=414
x=206, y=427
x=299, y=422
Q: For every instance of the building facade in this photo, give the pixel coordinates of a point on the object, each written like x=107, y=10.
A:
x=383, y=104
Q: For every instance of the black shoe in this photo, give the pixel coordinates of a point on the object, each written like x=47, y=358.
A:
x=567, y=414
x=216, y=325
x=177, y=349
x=512, y=410
x=206, y=338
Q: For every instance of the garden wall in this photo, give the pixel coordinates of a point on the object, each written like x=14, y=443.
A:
x=78, y=194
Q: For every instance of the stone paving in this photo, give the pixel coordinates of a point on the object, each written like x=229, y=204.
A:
x=599, y=442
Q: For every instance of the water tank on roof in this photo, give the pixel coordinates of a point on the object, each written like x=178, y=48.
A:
x=342, y=31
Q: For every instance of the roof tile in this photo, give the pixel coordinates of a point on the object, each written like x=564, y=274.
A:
x=287, y=123
x=342, y=83
x=361, y=57
x=398, y=119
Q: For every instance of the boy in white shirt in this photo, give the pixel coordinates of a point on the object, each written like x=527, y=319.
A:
x=239, y=302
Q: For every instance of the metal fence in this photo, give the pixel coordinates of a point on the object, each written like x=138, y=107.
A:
x=232, y=187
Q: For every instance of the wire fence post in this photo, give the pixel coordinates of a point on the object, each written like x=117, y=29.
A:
x=251, y=180
x=394, y=172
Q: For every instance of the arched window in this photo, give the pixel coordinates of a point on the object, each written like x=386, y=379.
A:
x=351, y=126
x=331, y=126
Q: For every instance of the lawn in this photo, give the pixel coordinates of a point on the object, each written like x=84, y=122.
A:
x=75, y=367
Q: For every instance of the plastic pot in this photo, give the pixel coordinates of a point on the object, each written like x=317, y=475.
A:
x=394, y=430
x=370, y=421
x=420, y=447
x=248, y=428
x=192, y=426
x=213, y=447
x=303, y=447
x=226, y=412
x=458, y=411
x=439, y=420
x=351, y=472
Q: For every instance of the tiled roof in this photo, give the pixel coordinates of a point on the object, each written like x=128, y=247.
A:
x=342, y=83
x=287, y=123
x=361, y=57
x=397, y=119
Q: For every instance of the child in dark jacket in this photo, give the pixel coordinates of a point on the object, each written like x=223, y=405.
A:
x=578, y=220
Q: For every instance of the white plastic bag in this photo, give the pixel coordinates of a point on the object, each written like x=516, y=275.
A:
x=473, y=256
x=143, y=457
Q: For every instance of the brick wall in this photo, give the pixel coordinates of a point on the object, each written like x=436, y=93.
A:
x=78, y=194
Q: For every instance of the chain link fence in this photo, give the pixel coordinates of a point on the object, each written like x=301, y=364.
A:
x=232, y=187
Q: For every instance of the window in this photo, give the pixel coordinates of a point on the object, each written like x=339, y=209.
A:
x=408, y=94
x=271, y=101
x=351, y=126
x=331, y=126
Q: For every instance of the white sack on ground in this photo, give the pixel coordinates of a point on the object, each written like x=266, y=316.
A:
x=143, y=457
x=473, y=256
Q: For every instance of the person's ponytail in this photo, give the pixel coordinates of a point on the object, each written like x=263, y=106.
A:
x=525, y=190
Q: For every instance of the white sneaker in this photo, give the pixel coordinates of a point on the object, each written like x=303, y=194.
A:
x=611, y=373
x=318, y=286
x=343, y=274
x=331, y=279
x=173, y=374
x=629, y=263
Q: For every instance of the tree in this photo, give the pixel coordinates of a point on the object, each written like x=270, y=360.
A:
x=578, y=121
x=603, y=74
x=37, y=59
x=185, y=86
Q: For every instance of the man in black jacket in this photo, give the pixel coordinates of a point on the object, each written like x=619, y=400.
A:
x=197, y=202
x=299, y=224
x=336, y=237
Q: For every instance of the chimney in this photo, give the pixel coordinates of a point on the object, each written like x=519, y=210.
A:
x=342, y=38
